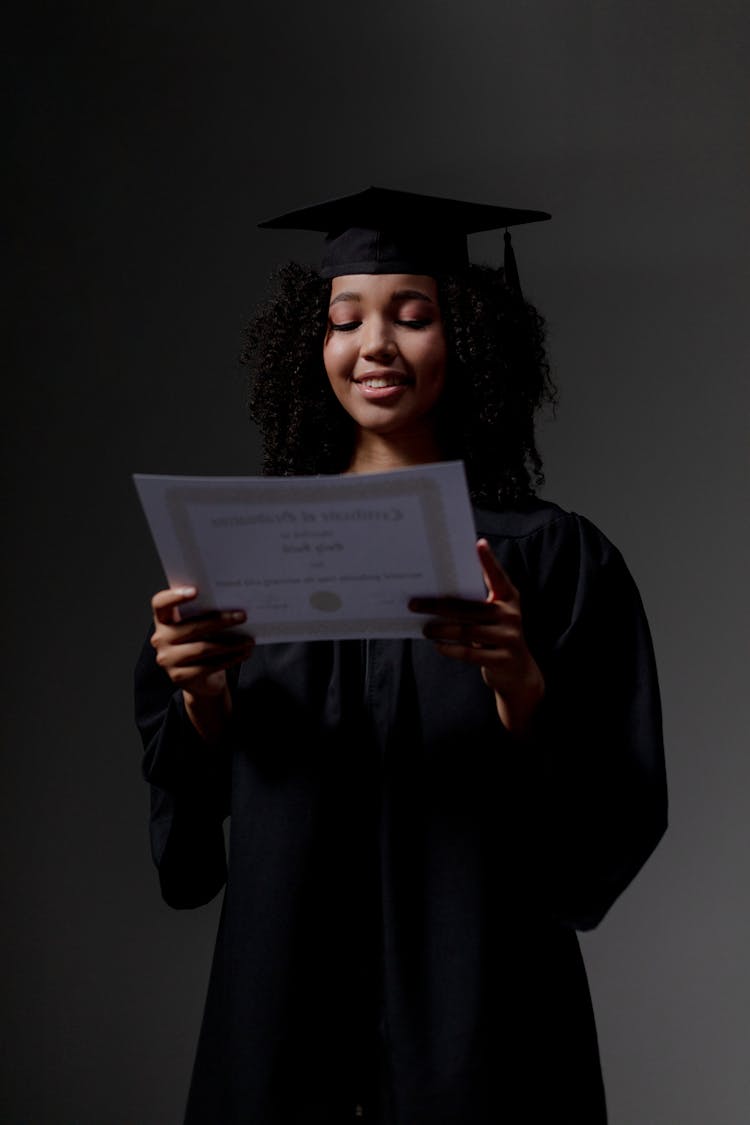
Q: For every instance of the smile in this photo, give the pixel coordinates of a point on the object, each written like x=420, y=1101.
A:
x=378, y=383
x=381, y=381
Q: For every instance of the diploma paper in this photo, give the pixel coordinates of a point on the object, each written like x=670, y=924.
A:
x=309, y=558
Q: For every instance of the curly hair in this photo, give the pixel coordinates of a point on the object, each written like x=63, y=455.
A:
x=497, y=379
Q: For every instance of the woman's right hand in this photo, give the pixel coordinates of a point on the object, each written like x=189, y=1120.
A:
x=195, y=653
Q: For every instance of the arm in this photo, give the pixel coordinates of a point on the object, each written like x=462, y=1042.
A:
x=597, y=769
x=578, y=790
x=183, y=707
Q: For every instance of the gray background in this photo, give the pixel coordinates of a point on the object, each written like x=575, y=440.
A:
x=146, y=146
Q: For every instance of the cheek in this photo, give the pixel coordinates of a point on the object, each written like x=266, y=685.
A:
x=335, y=353
x=329, y=362
x=434, y=358
x=337, y=370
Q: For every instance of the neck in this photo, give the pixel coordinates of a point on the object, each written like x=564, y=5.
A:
x=379, y=453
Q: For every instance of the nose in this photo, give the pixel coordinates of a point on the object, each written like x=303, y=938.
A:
x=377, y=341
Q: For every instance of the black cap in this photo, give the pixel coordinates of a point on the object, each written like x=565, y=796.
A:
x=379, y=230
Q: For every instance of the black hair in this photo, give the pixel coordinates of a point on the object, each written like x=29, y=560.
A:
x=497, y=379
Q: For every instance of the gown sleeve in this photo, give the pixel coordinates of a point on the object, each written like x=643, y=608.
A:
x=189, y=790
x=597, y=776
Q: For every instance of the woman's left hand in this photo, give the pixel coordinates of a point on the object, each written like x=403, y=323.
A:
x=490, y=635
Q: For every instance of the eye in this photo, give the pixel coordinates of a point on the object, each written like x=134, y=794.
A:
x=347, y=326
x=423, y=323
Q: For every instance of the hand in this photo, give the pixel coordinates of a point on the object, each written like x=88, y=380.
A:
x=490, y=635
x=195, y=654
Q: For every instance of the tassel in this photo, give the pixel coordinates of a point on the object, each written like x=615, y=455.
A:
x=510, y=267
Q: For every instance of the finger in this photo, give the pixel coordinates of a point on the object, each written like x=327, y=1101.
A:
x=456, y=609
x=222, y=642
x=212, y=656
x=205, y=626
x=165, y=602
x=205, y=654
x=499, y=586
x=477, y=636
x=193, y=677
x=489, y=659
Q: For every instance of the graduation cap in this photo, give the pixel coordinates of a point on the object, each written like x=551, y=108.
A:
x=379, y=230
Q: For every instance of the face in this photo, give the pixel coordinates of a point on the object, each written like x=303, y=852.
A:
x=385, y=352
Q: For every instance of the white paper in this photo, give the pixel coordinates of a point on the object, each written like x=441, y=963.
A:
x=309, y=558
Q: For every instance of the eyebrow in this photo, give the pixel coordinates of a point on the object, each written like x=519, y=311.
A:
x=399, y=295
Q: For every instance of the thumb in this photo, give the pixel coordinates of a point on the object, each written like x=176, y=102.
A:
x=499, y=586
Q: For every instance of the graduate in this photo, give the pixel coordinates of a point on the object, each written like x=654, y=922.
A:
x=417, y=828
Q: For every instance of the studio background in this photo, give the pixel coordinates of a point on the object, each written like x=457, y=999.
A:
x=146, y=145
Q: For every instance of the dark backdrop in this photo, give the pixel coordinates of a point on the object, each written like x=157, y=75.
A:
x=146, y=144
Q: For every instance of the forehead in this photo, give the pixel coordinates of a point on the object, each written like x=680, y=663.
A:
x=384, y=286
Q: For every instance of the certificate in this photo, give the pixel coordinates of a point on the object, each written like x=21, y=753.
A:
x=312, y=558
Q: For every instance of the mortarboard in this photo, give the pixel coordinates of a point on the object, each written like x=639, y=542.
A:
x=379, y=230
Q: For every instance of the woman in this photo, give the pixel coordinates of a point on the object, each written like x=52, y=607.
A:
x=417, y=828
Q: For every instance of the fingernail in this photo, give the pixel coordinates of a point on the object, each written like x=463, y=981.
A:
x=186, y=591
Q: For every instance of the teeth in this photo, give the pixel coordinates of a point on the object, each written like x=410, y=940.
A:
x=377, y=384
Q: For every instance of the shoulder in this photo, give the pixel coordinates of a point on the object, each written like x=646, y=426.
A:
x=559, y=559
x=532, y=516
x=539, y=525
x=576, y=589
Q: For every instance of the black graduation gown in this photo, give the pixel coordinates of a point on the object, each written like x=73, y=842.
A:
x=405, y=879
